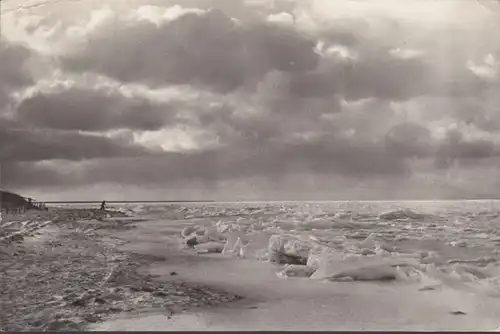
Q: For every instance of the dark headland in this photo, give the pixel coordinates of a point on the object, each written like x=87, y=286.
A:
x=9, y=200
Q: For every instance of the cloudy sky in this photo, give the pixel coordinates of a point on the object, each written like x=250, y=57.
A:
x=255, y=99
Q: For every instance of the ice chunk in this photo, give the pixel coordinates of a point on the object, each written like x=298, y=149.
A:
x=210, y=247
x=327, y=262
x=187, y=231
x=277, y=243
x=214, y=235
x=233, y=244
x=460, y=243
x=402, y=214
x=238, y=246
x=315, y=255
x=256, y=248
x=368, y=243
x=298, y=247
x=335, y=265
x=222, y=227
x=293, y=270
x=228, y=227
x=367, y=273
x=229, y=245
x=290, y=249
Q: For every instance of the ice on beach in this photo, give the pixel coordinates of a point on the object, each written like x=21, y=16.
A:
x=194, y=235
x=368, y=273
x=213, y=235
x=288, y=244
x=256, y=248
x=288, y=249
x=316, y=255
x=188, y=231
x=210, y=247
x=426, y=243
x=233, y=243
x=296, y=270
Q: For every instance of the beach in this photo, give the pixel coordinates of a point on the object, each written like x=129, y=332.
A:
x=62, y=270
x=249, y=165
x=431, y=271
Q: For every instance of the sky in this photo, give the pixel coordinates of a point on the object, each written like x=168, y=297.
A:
x=250, y=99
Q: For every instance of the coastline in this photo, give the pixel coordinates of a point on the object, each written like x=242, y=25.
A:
x=72, y=274
x=88, y=271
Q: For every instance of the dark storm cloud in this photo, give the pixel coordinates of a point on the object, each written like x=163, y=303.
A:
x=92, y=110
x=208, y=49
x=414, y=140
x=22, y=175
x=276, y=161
x=12, y=74
x=455, y=148
x=27, y=144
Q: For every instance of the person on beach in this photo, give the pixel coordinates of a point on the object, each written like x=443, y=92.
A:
x=103, y=205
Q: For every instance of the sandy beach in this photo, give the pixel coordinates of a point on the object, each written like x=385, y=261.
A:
x=71, y=273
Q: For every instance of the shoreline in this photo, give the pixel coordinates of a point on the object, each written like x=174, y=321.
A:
x=89, y=271
x=74, y=274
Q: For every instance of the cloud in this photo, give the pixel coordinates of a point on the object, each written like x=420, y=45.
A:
x=28, y=144
x=209, y=50
x=91, y=110
x=12, y=70
x=299, y=97
x=230, y=164
x=159, y=46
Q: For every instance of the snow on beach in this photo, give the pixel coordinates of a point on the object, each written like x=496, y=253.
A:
x=434, y=262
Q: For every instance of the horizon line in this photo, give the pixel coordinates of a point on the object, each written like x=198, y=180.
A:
x=259, y=201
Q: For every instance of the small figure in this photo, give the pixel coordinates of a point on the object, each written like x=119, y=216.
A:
x=103, y=205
